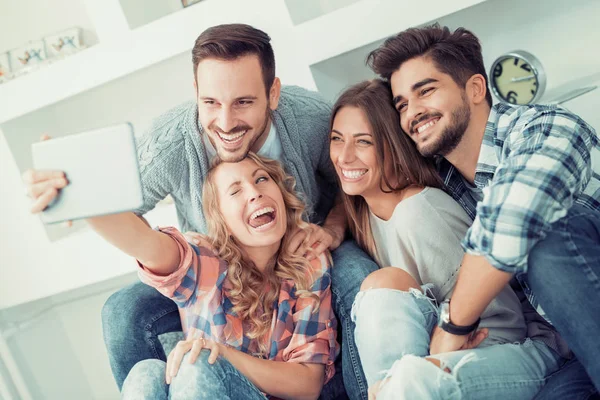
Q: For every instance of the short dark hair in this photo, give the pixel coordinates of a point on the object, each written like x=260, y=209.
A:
x=457, y=53
x=231, y=41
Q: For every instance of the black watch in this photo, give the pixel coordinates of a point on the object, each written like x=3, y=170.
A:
x=445, y=324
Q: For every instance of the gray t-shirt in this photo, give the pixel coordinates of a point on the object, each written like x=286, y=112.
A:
x=423, y=238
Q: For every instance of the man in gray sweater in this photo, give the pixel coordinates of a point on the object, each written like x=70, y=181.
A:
x=241, y=107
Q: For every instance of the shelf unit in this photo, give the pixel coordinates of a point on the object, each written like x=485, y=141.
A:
x=123, y=51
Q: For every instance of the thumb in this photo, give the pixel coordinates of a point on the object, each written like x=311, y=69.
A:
x=45, y=137
x=477, y=338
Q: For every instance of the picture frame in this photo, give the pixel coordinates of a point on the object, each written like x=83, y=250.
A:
x=64, y=42
x=5, y=71
x=30, y=54
x=187, y=3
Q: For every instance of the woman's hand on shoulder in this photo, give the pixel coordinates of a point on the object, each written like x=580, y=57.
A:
x=198, y=239
x=192, y=346
x=313, y=241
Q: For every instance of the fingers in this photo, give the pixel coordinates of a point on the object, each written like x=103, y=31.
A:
x=319, y=241
x=476, y=339
x=194, y=347
x=296, y=242
x=322, y=240
x=43, y=187
x=198, y=239
x=193, y=237
x=374, y=390
x=37, y=189
x=45, y=137
x=175, y=358
x=214, y=352
x=42, y=202
x=32, y=176
x=197, y=345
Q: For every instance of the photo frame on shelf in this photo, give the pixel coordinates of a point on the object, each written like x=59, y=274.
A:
x=64, y=43
x=4, y=67
x=28, y=55
x=187, y=3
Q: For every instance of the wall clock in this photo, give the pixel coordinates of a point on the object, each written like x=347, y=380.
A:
x=518, y=78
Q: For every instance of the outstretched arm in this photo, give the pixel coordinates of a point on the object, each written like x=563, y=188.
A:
x=131, y=234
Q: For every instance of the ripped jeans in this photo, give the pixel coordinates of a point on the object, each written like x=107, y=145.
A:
x=393, y=330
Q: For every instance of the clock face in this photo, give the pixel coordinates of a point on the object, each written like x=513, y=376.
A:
x=514, y=80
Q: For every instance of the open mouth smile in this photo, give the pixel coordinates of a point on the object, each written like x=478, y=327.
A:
x=353, y=174
x=232, y=138
x=422, y=127
x=263, y=218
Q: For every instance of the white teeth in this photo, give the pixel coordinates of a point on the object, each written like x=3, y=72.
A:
x=260, y=212
x=354, y=173
x=232, y=138
x=427, y=125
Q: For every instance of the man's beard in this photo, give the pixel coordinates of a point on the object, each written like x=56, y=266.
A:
x=240, y=154
x=451, y=136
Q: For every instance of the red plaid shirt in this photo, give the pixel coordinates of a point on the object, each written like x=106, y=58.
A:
x=298, y=334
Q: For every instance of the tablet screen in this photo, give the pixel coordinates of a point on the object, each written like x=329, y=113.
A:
x=101, y=167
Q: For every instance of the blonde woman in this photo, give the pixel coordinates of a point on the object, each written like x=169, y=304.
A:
x=258, y=319
x=400, y=215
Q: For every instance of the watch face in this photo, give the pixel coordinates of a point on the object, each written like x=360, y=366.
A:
x=514, y=80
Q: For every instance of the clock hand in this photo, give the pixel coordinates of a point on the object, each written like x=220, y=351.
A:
x=523, y=78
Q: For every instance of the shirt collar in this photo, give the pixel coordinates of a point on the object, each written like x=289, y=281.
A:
x=488, y=160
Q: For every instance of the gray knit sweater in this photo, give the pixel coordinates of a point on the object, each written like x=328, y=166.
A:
x=173, y=159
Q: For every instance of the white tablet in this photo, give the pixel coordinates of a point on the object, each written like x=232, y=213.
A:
x=101, y=167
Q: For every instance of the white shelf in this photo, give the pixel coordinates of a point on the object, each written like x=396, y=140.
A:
x=132, y=51
x=364, y=22
x=114, y=57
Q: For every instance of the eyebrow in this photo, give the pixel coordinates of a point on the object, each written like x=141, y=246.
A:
x=414, y=87
x=248, y=97
x=256, y=171
x=354, y=134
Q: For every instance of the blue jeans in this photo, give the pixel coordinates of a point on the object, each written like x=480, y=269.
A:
x=198, y=381
x=393, y=330
x=134, y=317
x=351, y=266
x=564, y=275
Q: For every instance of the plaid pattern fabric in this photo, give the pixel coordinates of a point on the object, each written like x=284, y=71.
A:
x=298, y=332
x=534, y=163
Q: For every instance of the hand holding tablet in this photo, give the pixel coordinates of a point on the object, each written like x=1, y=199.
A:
x=84, y=175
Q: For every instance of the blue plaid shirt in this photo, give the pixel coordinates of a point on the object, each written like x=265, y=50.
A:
x=534, y=163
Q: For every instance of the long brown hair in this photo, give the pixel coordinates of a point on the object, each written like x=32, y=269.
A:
x=457, y=53
x=409, y=168
x=231, y=41
x=247, y=291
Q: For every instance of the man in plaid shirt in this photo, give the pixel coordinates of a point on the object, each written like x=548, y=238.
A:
x=523, y=173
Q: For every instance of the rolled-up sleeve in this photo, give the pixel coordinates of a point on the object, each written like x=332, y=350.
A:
x=546, y=164
x=198, y=269
x=314, y=333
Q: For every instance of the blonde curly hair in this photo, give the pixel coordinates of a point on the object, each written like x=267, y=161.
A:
x=247, y=292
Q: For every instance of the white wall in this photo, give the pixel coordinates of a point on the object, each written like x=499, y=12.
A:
x=561, y=34
x=304, y=10
x=21, y=24
x=141, y=12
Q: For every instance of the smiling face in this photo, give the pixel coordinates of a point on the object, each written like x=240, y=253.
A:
x=233, y=107
x=353, y=153
x=434, y=111
x=250, y=203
